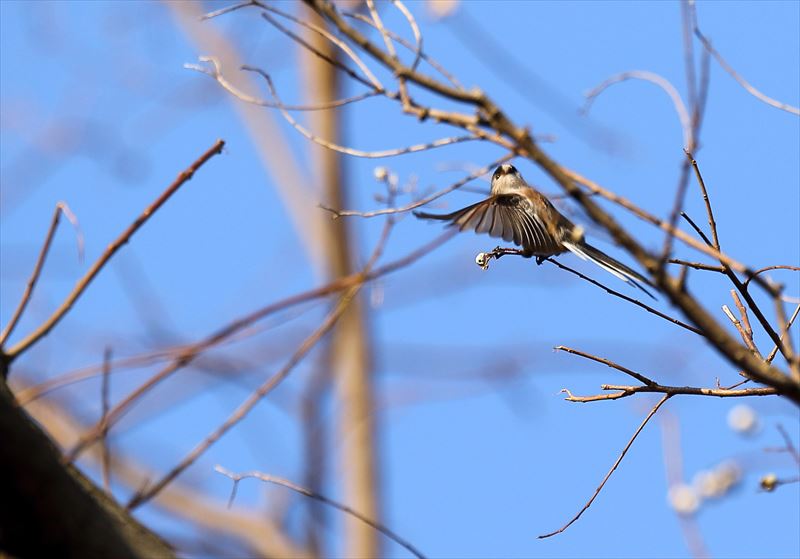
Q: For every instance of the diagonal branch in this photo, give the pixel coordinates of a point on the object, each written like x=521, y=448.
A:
x=112, y=249
x=611, y=471
x=61, y=207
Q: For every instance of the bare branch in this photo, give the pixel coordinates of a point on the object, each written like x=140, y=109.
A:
x=414, y=29
x=147, y=493
x=623, y=391
x=422, y=201
x=372, y=80
x=216, y=73
x=112, y=249
x=744, y=83
x=321, y=498
x=660, y=81
x=427, y=58
x=768, y=268
x=61, y=207
x=790, y=448
x=191, y=352
x=784, y=347
x=636, y=302
x=611, y=471
x=697, y=265
x=638, y=376
x=350, y=151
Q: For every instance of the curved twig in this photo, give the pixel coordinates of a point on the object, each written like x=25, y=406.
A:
x=611, y=471
x=216, y=74
x=660, y=81
x=350, y=151
x=236, y=478
x=744, y=83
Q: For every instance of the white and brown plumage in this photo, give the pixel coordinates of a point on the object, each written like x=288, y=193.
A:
x=518, y=213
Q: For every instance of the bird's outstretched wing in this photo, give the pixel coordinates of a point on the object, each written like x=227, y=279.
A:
x=506, y=216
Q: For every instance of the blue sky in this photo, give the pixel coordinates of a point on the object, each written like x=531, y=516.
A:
x=479, y=452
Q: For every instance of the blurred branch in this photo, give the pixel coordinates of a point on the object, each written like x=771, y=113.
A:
x=289, y=177
x=147, y=493
x=61, y=207
x=236, y=478
x=112, y=249
x=347, y=355
x=736, y=76
x=660, y=81
x=104, y=442
x=192, y=351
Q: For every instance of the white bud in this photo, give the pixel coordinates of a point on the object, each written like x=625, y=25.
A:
x=743, y=419
x=683, y=499
x=380, y=173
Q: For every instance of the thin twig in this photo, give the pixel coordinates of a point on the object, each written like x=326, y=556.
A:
x=216, y=74
x=611, y=471
x=188, y=354
x=112, y=249
x=321, y=498
x=422, y=201
x=624, y=390
x=414, y=29
x=350, y=151
x=709, y=212
x=784, y=348
x=638, y=376
x=372, y=80
x=768, y=268
x=697, y=265
x=228, y=9
x=660, y=81
x=748, y=340
x=147, y=493
x=426, y=57
x=790, y=448
x=629, y=299
x=657, y=221
x=748, y=329
x=744, y=83
x=61, y=207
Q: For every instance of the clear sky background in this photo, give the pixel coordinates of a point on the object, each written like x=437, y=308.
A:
x=479, y=453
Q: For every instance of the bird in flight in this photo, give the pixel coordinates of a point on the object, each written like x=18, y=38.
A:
x=518, y=213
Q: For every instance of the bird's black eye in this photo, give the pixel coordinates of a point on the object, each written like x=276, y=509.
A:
x=512, y=169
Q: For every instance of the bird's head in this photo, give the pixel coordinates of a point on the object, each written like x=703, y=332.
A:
x=507, y=179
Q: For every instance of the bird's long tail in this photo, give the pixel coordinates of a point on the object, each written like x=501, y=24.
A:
x=586, y=251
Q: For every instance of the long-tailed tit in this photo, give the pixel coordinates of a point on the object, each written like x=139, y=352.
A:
x=518, y=213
